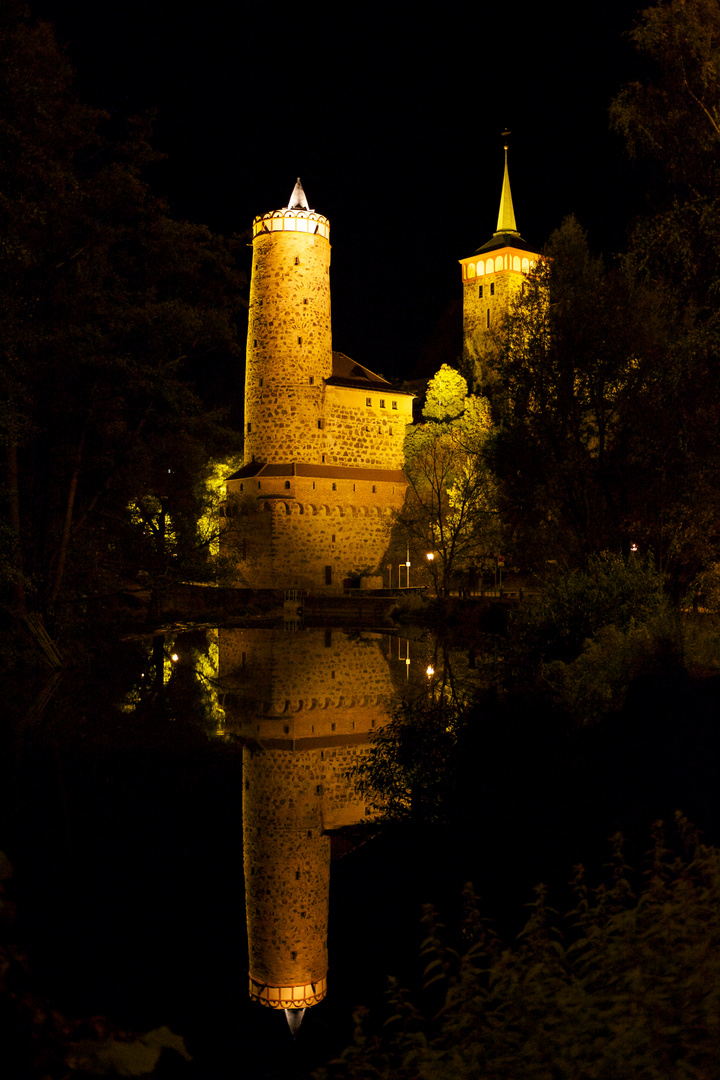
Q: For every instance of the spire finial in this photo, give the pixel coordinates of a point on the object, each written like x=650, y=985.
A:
x=506, y=214
x=298, y=199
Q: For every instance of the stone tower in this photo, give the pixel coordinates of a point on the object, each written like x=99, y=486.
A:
x=324, y=436
x=492, y=276
x=305, y=705
x=289, y=345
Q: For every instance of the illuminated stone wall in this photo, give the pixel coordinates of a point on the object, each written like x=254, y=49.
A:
x=482, y=315
x=295, y=543
x=314, y=683
x=365, y=435
x=287, y=875
x=314, y=528
x=289, y=345
x=309, y=700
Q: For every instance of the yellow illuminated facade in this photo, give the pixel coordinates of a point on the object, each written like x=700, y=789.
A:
x=304, y=704
x=492, y=276
x=322, y=471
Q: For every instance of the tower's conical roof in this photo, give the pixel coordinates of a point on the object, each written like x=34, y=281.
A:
x=506, y=214
x=294, y=1019
x=506, y=234
x=298, y=199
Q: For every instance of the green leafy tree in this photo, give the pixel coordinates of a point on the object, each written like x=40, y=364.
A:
x=450, y=508
x=576, y=363
x=110, y=311
x=670, y=120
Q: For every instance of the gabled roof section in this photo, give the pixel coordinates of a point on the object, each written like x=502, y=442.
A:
x=346, y=369
x=347, y=373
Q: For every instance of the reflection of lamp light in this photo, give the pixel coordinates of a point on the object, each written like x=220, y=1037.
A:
x=175, y=658
x=429, y=670
x=633, y=547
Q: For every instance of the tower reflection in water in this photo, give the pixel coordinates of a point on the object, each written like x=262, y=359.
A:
x=308, y=701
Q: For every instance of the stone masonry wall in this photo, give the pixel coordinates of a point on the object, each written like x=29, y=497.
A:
x=366, y=435
x=284, y=543
x=327, y=687
x=312, y=684
x=475, y=309
x=289, y=346
x=287, y=867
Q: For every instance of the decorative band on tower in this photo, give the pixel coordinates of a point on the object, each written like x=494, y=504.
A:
x=307, y=221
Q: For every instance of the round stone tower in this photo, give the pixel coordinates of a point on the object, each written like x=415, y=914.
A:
x=287, y=877
x=289, y=347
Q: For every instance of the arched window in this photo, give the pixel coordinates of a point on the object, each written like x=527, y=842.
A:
x=481, y=267
x=287, y=484
x=498, y=263
x=516, y=262
x=526, y=266
x=471, y=270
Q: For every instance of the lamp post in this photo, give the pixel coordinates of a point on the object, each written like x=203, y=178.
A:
x=431, y=567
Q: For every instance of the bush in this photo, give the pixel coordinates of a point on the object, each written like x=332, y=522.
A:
x=628, y=987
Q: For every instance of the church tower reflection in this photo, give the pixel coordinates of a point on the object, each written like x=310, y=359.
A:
x=308, y=702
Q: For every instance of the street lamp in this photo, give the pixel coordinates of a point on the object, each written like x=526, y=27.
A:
x=431, y=567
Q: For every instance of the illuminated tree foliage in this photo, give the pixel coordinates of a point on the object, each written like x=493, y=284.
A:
x=450, y=508
x=110, y=313
x=627, y=985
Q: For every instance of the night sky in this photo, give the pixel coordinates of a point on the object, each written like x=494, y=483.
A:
x=391, y=118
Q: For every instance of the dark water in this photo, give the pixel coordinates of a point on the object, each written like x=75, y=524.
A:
x=123, y=818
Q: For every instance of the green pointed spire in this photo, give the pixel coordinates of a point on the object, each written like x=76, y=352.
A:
x=506, y=214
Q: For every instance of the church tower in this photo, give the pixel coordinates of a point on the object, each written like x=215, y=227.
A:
x=313, y=504
x=492, y=276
